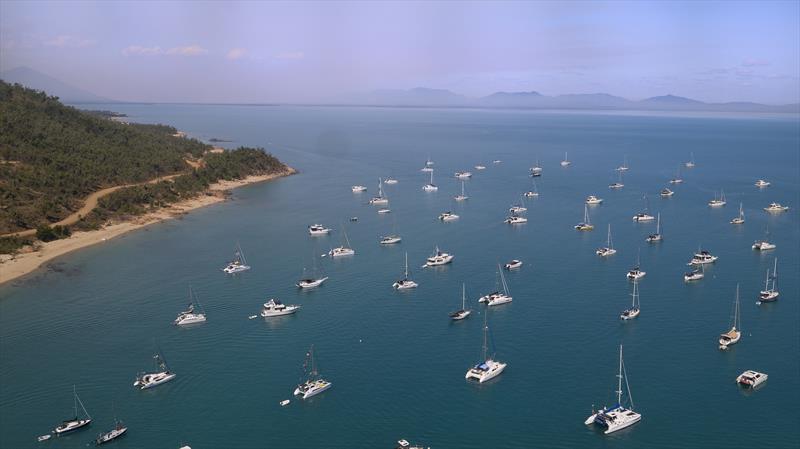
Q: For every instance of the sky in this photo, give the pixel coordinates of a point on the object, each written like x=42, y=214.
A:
x=307, y=52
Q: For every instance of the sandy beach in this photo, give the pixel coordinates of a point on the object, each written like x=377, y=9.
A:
x=12, y=267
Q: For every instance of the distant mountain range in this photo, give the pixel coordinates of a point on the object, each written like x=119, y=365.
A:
x=425, y=97
x=36, y=80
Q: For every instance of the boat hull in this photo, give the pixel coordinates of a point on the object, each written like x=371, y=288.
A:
x=71, y=426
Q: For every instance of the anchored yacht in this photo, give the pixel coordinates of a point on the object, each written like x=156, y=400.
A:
x=739, y=219
x=763, y=245
x=656, y=238
x=69, y=425
x=702, y=257
x=618, y=184
x=463, y=174
x=190, y=316
x=690, y=164
x=358, y=189
x=515, y=219
x=390, y=181
x=635, y=309
x=585, y=225
x=666, y=193
x=438, y=258
x=381, y=199
x=489, y=368
x=751, y=379
x=430, y=187
x=624, y=166
x=344, y=249
x=314, y=384
x=536, y=170
x=390, y=239
x=566, y=161
x=591, y=200
x=513, y=264
x=718, y=202
x=315, y=279
x=644, y=215
x=695, y=275
x=770, y=294
x=463, y=196
x=607, y=250
x=274, y=307
x=762, y=183
x=318, y=229
x=448, y=216
x=463, y=312
x=732, y=336
x=238, y=264
x=497, y=297
x=406, y=282
x=158, y=377
x=480, y=167
x=616, y=417
x=776, y=207
x=118, y=430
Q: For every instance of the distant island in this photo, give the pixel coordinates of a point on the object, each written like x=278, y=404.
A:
x=104, y=113
x=64, y=171
x=216, y=140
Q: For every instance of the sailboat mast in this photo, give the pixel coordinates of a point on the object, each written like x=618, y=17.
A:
x=406, y=269
x=485, y=336
x=737, y=319
x=619, y=376
x=658, y=224
x=635, y=283
x=75, y=400
x=463, y=296
x=609, y=236
x=775, y=274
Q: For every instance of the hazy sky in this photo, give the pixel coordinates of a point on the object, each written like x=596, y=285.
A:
x=317, y=51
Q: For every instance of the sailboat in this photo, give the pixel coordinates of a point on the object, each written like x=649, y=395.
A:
x=770, y=294
x=585, y=225
x=190, y=316
x=608, y=250
x=118, y=430
x=644, y=215
x=343, y=250
x=463, y=312
x=406, y=282
x=740, y=219
x=497, y=298
x=732, y=336
x=430, y=187
x=677, y=179
x=69, y=425
x=381, y=199
x=519, y=208
x=696, y=274
x=488, y=368
x=566, y=161
x=624, y=166
x=690, y=164
x=392, y=238
x=238, y=264
x=636, y=272
x=764, y=245
x=618, y=184
x=633, y=312
x=315, y=280
x=463, y=174
x=655, y=238
x=532, y=193
x=616, y=417
x=463, y=196
x=160, y=376
x=536, y=170
x=314, y=384
x=428, y=165
x=718, y=202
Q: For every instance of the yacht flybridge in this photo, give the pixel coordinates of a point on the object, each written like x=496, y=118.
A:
x=770, y=294
x=702, y=257
x=732, y=336
x=463, y=174
x=585, y=225
x=497, y=297
x=566, y=161
x=430, y=187
x=75, y=423
x=238, y=264
x=381, y=199
x=448, y=216
x=161, y=375
x=718, y=202
x=644, y=215
x=406, y=282
x=776, y=207
x=439, y=257
x=762, y=183
x=751, y=379
x=317, y=229
x=592, y=200
x=607, y=250
x=190, y=315
x=463, y=312
x=616, y=417
x=740, y=218
x=314, y=384
x=488, y=368
x=463, y=196
x=633, y=312
x=274, y=307
x=655, y=238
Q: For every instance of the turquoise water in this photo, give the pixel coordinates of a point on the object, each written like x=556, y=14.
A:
x=396, y=361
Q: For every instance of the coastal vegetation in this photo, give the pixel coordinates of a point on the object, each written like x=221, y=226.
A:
x=53, y=156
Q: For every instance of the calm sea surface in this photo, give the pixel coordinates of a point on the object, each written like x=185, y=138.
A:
x=397, y=363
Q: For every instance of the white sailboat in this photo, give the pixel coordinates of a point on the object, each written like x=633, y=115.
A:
x=118, y=431
x=488, y=368
x=430, y=187
x=463, y=312
x=313, y=384
x=616, y=417
x=645, y=214
x=770, y=294
x=518, y=208
x=636, y=272
x=161, y=375
x=690, y=164
x=677, y=179
x=381, y=199
x=497, y=298
x=566, y=161
x=666, y=193
x=238, y=264
x=193, y=314
x=732, y=336
x=315, y=279
x=533, y=193
x=463, y=175
x=536, y=170
x=428, y=165
x=392, y=238
x=463, y=196
x=618, y=184
x=75, y=423
x=633, y=312
x=764, y=245
x=608, y=250
x=624, y=166
x=740, y=218
x=695, y=275
x=405, y=283
x=585, y=225
x=718, y=202
x=344, y=249
x=655, y=238
x=762, y=183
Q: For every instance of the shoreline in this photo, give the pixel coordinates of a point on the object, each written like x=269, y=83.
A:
x=13, y=267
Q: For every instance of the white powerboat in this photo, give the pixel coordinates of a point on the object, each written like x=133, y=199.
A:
x=732, y=336
x=314, y=384
x=438, y=258
x=718, y=202
x=585, y=225
x=666, y=193
x=740, y=218
x=358, y=189
x=591, y=200
x=751, y=379
x=635, y=309
x=381, y=199
x=515, y=219
x=69, y=425
x=318, y=229
x=463, y=312
x=770, y=294
x=702, y=257
x=430, y=187
x=463, y=196
x=154, y=379
x=405, y=283
x=695, y=275
x=763, y=245
x=489, y=368
x=607, y=250
x=390, y=181
x=274, y=307
x=776, y=207
x=762, y=183
x=238, y=264
x=513, y=264
x=190, y=316
x=390, y=239
x=566, y=161
x=384, y=211
x=497, y=161
x=311, y=282
x=616, y=417
x=480, y=167
x=657, y=237
x=448, y=216
x=463, y=174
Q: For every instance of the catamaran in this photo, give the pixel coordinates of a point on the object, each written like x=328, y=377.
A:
x=739, y=219
x=158, y=377
x=343, y=250
x=636, y=272
x=438, y=258
x=314, y=280
x=381, y=199
x=776, y=207
x=566, y=161
x=764, y=245
x=592, y=200
x=238, y=264
x=624, y=166
x=430, y=187
x=69, y=425
x=607, y=250
x=770, y=294
x=644, y=215
x=274, y=307
x=314, y=384
x=718, y=202
x=585, y=225
x=463, y=312
x=762, y=183
x=532, y=193
x=732, y=336
x=488, y=368
x=655, y=238
x=317, y=230
x=118, y=430
x=690, y=164
x=751, y=379
x=406, y=282
x=519, y=208
x=463, y=196
x=633, y=312
x=190, y=316
x=616, y=417
x=497, y=298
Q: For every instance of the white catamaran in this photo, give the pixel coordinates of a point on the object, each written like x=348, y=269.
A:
x=344, y=249
x=497, y=297
x=585, y=225
x=193, y=314
x=313, y=384
x=488, y=368
x=406, y=282
x=618, y=416
x=238, y=264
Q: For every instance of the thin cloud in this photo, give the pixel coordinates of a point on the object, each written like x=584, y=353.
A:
x=67, y=41
x=139, y=50
x=236, y=53
x=290, y=55
x=191, y=50
x=754, y=62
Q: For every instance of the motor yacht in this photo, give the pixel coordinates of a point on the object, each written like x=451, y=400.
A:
x=694, y=275
x=702, y=257
x=513, y=264
x=643, y=216
x=274, y=307
x=515, y=219
x=763, y=245
x=751, y=379
x=390, y=239
x=318, y=229
x=635, y=273
x=463, y=174
x=439, y=257
x=776, y=207
x=666, y=193
x=358, y=189
x=591, y=200
x=762, y=183
x=448, y=216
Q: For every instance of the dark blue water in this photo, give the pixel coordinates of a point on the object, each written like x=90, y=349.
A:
x=396, y=361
